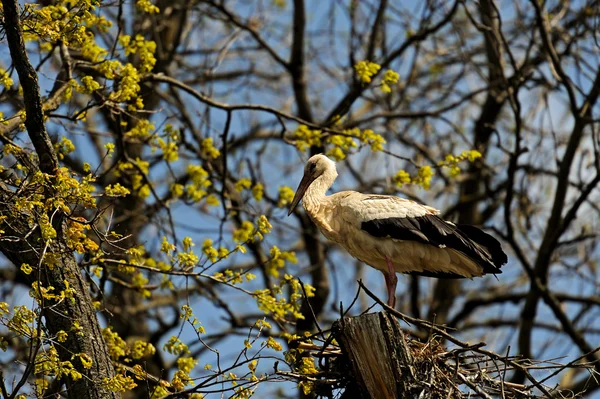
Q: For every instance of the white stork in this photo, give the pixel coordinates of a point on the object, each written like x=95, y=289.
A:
x=394, y=234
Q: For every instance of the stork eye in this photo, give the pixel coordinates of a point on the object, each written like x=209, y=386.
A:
x=313, y=166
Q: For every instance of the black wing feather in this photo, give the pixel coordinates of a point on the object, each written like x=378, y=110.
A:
x=487, y=241
x=433, y=230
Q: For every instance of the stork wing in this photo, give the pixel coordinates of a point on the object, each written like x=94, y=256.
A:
x=408, y=221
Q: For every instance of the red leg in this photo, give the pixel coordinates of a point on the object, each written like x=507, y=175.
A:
x=391, y=280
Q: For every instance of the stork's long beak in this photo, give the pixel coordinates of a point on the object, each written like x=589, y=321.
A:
x=304, y=183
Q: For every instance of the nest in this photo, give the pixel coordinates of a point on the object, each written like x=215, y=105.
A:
x=370, y=356
x=424, y=370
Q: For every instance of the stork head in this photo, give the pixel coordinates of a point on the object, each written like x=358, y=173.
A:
x=317, y=166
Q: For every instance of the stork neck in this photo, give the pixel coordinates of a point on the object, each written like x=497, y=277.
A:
x=315, y=194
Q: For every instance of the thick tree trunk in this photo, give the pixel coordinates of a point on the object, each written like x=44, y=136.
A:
x=64, y=314
x=25, y=244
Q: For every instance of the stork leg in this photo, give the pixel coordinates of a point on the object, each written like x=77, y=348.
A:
x=391, y=280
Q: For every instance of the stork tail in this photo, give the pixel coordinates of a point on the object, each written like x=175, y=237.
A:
x=486, y=243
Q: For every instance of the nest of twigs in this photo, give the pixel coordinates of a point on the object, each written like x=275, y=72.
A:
x=429, y=371
x=370, y=356
x=435, y=373
x=459, y=373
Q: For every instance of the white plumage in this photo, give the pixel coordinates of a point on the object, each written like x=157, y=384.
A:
x=394, y=234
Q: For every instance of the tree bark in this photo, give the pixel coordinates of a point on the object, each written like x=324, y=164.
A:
x=26, y=244
x=378, y=355
x=62, y=315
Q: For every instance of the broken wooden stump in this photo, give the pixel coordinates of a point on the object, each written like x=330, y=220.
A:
x=378, y=354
